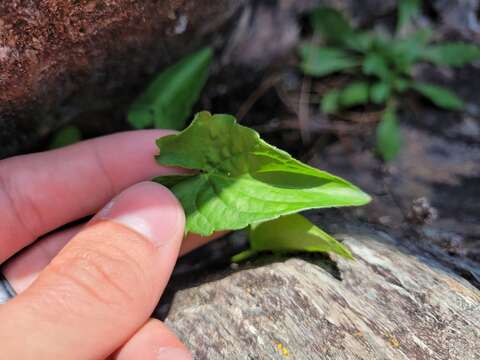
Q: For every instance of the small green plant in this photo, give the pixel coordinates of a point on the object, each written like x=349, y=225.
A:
x=66, y=136
x=167, y=102
x=276, y=236
x=240, y=180
x=381, y=66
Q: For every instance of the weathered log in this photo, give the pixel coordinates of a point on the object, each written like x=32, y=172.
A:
x=391, y=303
x=430, y=190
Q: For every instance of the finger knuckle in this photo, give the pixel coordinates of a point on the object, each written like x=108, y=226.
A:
x=19, y=203
x=109, y=277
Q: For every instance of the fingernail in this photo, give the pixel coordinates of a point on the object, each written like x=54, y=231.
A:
x=149, y=209
x=173, y=354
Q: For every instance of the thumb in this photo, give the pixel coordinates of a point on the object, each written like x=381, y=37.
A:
x=103, y=285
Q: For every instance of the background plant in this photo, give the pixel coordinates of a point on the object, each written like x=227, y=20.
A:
x=168, y=101
x=381, y=65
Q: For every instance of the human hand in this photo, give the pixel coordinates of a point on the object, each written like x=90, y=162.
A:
x=87, y=292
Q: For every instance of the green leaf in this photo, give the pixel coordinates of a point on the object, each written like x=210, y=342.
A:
x=354, y=94
x=380, y=92
x=375, y=64
x=172, y=180
x=244, y=255
x=293, y=233
x=360, y=41
x=406, y=10
x=381, y=41
x=440, y=96
x=389, y=141
x=335, y=28
x=330, y=102
x=404, y=53
x=66, y=136
x=331, y=24
x=241, y=179
x=321, y=61
x=167, y=103
x=451, y=54
x=401, y=84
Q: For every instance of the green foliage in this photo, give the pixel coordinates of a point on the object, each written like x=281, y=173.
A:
x=406, y=10
x=323, y=61
x=389, y=141
x=403, y=53
x=401, y=84
x=66, y=136
x=380, y=92
x=330, y=101
x=243, y=256
x=354, y=94
x=331, y=24
x=362, y=42
x=376, y=65
x=167, y=102
x=451, y=54
x=290, y=233
x=439, y=96
x=380, y=65
x=241, y=179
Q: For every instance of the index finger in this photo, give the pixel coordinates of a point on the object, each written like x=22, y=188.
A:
x=41, y=192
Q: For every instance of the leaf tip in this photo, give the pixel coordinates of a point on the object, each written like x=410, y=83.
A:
x=345, y=253
x=364, y=198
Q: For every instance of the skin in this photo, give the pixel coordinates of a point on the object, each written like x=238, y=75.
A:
x=87, y=292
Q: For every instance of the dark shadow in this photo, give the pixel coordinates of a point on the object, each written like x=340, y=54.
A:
x=212, y=263
x=459, y=201
x=289, y=180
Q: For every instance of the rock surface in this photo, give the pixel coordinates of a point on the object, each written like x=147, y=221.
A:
x=391, y=303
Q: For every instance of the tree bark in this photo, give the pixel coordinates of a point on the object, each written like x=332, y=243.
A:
x=59, y=58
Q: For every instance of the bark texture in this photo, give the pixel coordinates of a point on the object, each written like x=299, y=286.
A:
x=391, y=303
x=63, y=60
x=60, y=57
